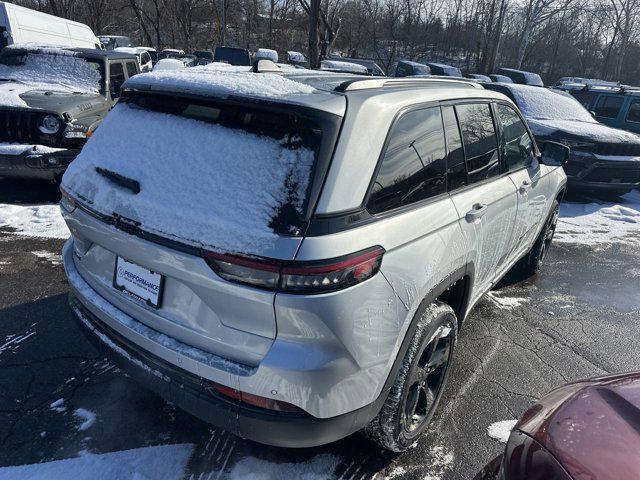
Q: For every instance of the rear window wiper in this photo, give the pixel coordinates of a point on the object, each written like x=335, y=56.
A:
x=120, y=180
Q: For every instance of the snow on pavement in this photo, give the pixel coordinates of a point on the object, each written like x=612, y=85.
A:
x=52, y=257
x=165, y=462
x=501, y=430
x=43, y=221
x=320, y=467
x=87, y=417
x=502, y=300
x=600, y=223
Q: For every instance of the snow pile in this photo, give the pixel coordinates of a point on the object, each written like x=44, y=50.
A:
x=501, y=430
x=87, y=417
x=43, y=221
x=268, y=54
x=201, y=183
x=219, y=82
x=600, y=223
x=320, y=467
x=165, y=64
x=165, y=462
x=296, y=56
x=338, y=65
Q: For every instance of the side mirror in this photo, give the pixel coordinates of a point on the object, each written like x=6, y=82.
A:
x=593, y=114
x=554, y=154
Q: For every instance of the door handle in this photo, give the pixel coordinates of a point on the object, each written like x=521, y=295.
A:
x=526, y=185
x=477, y=211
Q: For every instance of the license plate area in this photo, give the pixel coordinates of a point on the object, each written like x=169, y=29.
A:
x=138, y=282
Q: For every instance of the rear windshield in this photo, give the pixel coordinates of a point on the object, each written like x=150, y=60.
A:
x=233, y=56
x=224, y=175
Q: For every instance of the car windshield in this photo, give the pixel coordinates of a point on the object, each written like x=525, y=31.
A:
x=543, y=104
x=59, y=70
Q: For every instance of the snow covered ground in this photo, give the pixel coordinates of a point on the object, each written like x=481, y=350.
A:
x=501, y=430
x=44, y=221
x=166, y=462
x=600, y=223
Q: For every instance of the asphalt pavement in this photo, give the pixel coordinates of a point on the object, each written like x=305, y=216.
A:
x=578, y=318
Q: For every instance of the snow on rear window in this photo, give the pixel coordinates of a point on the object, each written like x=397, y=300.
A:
x=200, y=183
x=210, y=81
x=543, y=104
x=52, y=71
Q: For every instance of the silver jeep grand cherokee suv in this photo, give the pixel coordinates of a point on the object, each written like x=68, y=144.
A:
x=290, y=257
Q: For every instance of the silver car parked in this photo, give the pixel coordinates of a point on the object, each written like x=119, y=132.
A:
x=290, y=259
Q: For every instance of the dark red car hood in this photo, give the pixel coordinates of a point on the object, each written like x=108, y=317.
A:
x=591, y=427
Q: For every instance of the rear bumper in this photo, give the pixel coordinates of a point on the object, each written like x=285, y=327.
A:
x=190, y=392
x=32, y=163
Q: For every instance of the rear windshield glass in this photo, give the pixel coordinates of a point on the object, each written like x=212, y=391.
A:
x=227, y=176
x=234, y=56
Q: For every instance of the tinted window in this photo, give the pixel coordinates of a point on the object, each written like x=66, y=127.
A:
x=146, y=58
x=456, y=171
x=633, y=115
x=517, y=144
x=479, y=138
x=116, y=79
x=413, y=167
x=608, y=106
x=131, y=69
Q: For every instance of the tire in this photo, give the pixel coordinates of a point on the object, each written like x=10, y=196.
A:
x=419, y=383
x=531, y=264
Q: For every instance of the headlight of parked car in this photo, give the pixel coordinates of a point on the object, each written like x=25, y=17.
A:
x=580, y=145
x=50, y=124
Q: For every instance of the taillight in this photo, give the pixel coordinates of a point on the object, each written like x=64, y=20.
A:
x=298, y=276
x=255, y=400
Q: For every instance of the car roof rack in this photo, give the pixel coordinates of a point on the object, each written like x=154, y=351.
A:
x=373, y=83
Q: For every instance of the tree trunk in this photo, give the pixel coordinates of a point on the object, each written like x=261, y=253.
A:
x=314, y=21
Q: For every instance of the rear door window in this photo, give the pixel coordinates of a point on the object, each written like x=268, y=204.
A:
x=516, y=143
x=608, y=106
x=633, y=115
x=414, y=163
x=480, y=142
x=456, y=170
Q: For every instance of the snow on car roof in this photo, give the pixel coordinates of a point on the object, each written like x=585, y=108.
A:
x=219, y=82
x=268, y=54
x=341, y=66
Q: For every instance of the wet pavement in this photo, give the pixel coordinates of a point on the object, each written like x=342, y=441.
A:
x=578, y=318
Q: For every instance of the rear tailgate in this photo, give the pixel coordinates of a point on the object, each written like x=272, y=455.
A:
x=165, y=180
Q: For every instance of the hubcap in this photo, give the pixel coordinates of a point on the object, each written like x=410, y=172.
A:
x=426, y=379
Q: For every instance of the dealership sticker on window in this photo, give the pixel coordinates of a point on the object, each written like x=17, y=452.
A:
x=139, y=282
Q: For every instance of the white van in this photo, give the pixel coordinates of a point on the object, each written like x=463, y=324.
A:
x=23, y=25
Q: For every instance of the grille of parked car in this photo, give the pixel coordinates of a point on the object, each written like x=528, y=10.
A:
x=21, y=126
x=619, y=174
x=621, y=149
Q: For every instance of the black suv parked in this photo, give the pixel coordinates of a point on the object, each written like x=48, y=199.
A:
x=52, y=100
x=603, y=159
